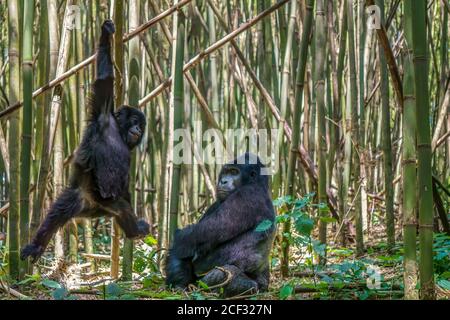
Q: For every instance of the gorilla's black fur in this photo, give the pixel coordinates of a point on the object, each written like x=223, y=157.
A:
x=223, y=247
x=99, y=181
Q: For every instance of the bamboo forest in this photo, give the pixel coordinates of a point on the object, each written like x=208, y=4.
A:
x=224, y=150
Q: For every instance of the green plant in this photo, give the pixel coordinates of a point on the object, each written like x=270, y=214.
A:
x=297, y=211
x=441, y=257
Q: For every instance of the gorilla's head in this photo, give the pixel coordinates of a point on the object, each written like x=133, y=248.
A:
x=246, y=169
x=132, y=125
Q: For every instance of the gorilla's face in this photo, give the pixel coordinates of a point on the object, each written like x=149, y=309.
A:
x=132, y=125
x=237, y=173
x=229, y=180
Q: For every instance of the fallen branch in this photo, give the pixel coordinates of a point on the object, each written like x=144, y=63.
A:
x=348, y=286
x=96, y=256
x=12, y=292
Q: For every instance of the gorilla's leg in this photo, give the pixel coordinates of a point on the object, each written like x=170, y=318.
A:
x=263, y=279
x=233, y=281
x=127, y=220
x=179, y=272
x=66, y=206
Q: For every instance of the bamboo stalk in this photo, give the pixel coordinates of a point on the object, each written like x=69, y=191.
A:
x=425, y=196
x=396, y=80
x=176, y=104
x=14, y=147
x=319, y=85
x=386, y=142
x=27, y=127
x=299, y=83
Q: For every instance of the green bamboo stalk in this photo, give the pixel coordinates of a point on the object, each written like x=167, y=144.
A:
x=71, y=143
x=58, y=62
x=285, y=86
x=43, y=100
x=133, y=100
x=27, y=125
x=118, y=101
x=420, y=56
x=319, y=85
x=409, y=163
x=213, y=67
x=58, y=183
x=81, y=91
x=14, y=147
x=177, y=105
x=340, y=105
x=354, y=126
x=300, y=83
x=214, y=84
x=361, y=106
x=386, y=141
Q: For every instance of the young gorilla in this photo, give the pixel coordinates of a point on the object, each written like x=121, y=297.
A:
x=99, y=181
x=223, y=249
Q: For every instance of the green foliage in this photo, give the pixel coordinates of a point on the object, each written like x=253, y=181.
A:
x=58, y=291
x=297, y=211
x=51, y=284
x=286, y=291
x=444, y=284
x=113, y=291
x=145, y=262
x=263, y=226
x=441, y=249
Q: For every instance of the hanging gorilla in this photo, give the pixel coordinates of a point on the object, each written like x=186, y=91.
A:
x=99, y=183
x=224, y=248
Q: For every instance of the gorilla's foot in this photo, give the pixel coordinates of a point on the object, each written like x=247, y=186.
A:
x=32, y=250
x=233, y=281
x=144, y=228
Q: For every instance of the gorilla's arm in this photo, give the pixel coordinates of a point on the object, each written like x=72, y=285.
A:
x=102, y=98
x=109, y=162
x=229, y=220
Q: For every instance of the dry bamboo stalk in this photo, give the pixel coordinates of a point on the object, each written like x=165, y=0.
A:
x=392, y=65
x=203, y=104
x=441, y=117
x=97, y=256
x=215, y=46
x=4, y=151
x=51, y=84
x=155, y=20
x=4, y=210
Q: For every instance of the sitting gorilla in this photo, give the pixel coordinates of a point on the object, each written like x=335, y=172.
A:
x=223, y=249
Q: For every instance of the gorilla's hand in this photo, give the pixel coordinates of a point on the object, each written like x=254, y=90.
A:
x=108, y=27
x=107, y=31
x=184, y=244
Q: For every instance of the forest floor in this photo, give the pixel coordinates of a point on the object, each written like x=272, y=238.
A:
x=378, y=274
